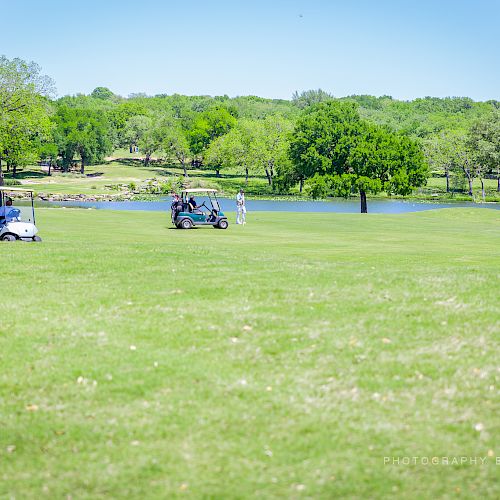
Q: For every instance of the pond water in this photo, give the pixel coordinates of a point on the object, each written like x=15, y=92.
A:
x=228, y=205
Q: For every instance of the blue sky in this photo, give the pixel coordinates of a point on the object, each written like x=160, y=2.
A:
x=270, y=48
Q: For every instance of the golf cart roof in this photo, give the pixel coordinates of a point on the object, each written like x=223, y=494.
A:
x=8, y=188
x=199, y=190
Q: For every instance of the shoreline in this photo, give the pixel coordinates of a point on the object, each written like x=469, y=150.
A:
x=130, y=196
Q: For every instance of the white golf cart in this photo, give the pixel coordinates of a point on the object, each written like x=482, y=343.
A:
x=17, y=222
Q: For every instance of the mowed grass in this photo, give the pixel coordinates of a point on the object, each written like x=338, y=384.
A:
x=120, y=172
x=285, y=358
x=97, y=178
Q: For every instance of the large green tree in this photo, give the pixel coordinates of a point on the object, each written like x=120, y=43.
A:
x=24, y=110
x=84, y=133
x=331, y=139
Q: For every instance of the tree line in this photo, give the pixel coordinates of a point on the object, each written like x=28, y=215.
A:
x=325, y=145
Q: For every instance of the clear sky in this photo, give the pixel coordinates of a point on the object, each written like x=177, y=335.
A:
x=269, y=48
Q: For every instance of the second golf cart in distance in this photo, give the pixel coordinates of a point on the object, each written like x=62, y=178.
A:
x=185, y=216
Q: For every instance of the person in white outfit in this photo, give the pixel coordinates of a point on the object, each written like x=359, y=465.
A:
x=241, y=211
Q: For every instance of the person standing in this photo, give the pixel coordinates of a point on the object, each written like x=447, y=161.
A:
x=241, y=210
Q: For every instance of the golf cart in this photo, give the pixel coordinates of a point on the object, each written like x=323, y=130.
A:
x=17, y=223
x=185, y=216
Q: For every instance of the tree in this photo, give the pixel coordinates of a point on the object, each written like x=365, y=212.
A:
x=24, y=109
x=102, y=93
x=466, y=159
x=484, y=139
x=174, y=141
x=20, y=149
x=381, y=159
x=233, y=149
x=209, y=125
x=216, y=154
x=135, y=128
x=48, y=152
x=310, y=98
x=118, y=117
x=322, y=138
x=447, y=152
x=82, y=132
x=331, y=139
x=269, y=143
x=149, y=143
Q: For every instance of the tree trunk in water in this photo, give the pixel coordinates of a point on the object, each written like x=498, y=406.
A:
x=364, y=207
x=246, y=175
x=301, y=185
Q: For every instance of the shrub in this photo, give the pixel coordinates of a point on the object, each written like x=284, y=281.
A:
x=200, y=183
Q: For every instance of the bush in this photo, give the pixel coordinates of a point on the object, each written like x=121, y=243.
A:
x=200, y=183
x=318, y=186
x=172, y=185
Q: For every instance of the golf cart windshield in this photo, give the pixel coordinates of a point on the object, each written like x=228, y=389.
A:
x=205, y=198
x=14, y=210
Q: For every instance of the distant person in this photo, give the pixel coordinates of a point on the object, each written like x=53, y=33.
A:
x=241, y=209
x=6, y=210
x=176, y=206
x=192, y=204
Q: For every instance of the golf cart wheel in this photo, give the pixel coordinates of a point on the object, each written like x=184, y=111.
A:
x=223, y=224
x=37, y=239
x=186, y=224
x=8, y=237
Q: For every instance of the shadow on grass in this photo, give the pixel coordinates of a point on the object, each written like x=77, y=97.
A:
x=25, y=174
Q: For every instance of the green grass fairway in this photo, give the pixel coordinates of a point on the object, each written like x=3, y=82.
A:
x=289, y=358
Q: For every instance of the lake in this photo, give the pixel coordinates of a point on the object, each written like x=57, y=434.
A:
x=228, y=205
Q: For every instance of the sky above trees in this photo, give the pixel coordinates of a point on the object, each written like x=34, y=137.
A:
x=270, y=48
